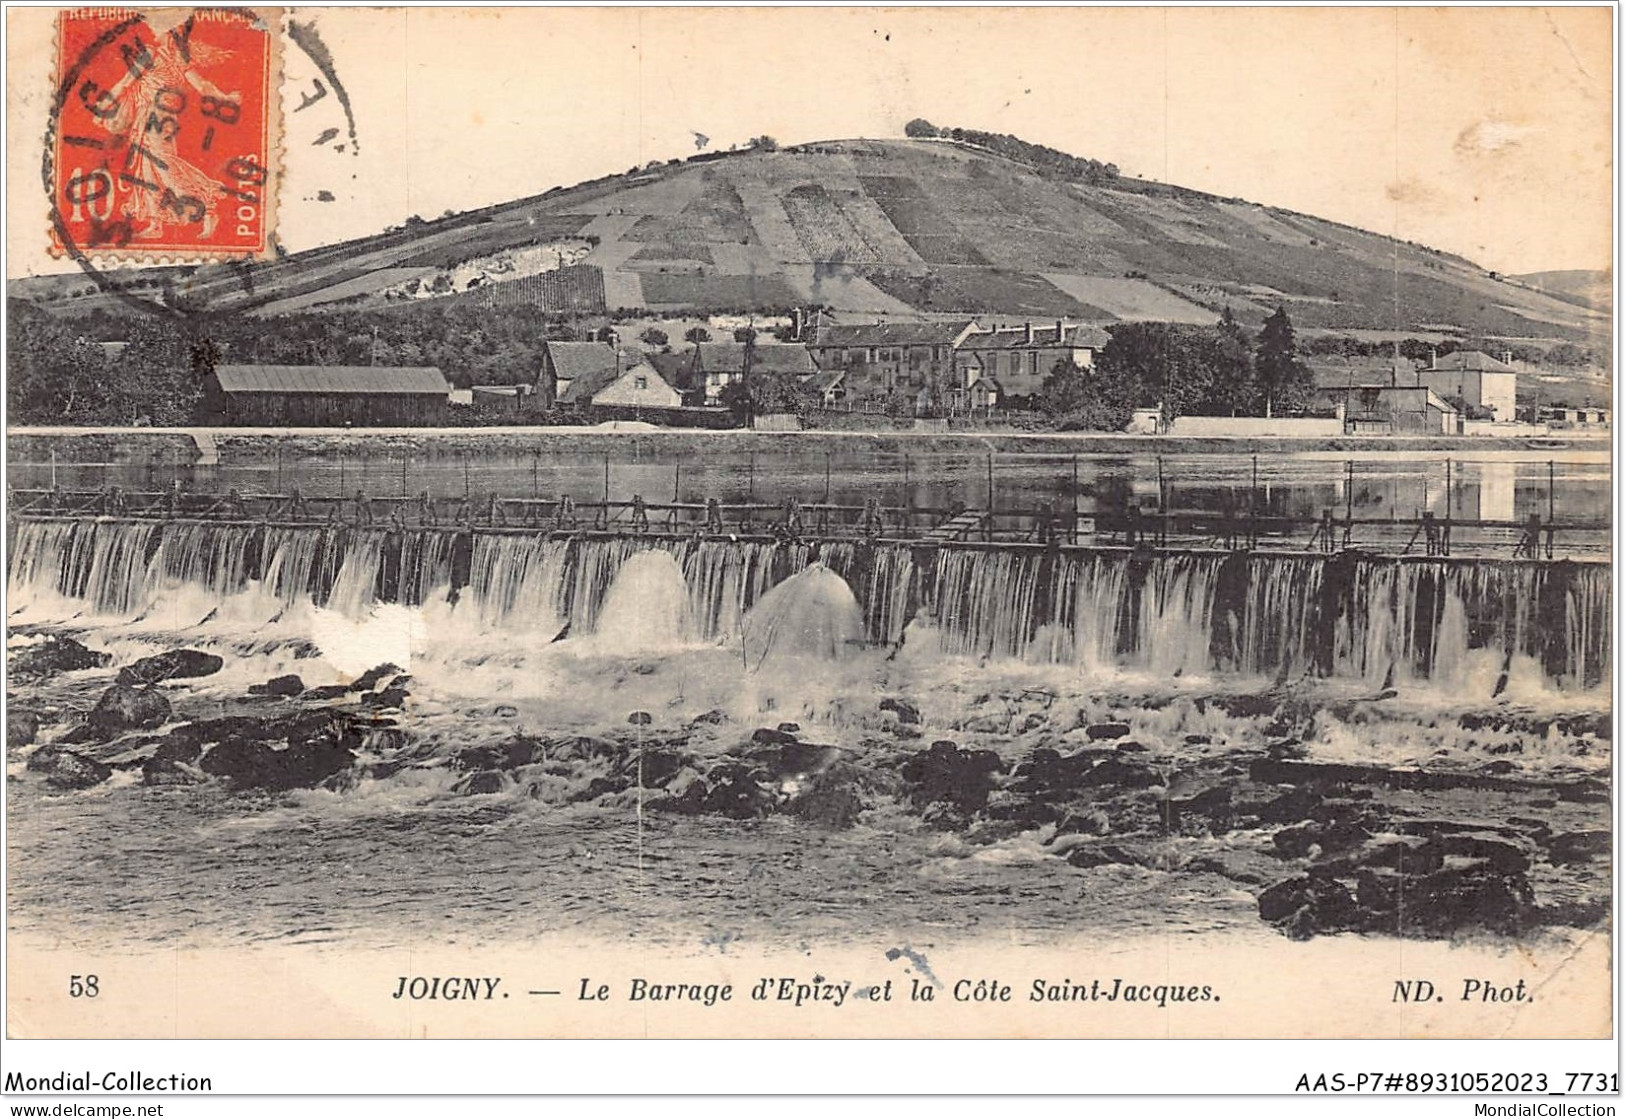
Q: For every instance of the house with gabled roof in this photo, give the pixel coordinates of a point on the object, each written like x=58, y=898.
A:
x=886, y=360
x=719, y=364
x=1476, y=381
x=565, y=363
x=1010, y=363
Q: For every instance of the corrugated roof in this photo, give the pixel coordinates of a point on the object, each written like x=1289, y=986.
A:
x=417, y=380
x=894, y=333
x=770, y=357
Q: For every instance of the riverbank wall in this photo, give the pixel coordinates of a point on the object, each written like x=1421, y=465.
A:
x=189, y=445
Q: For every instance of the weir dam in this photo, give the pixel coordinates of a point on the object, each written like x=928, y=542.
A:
x=1166, y=610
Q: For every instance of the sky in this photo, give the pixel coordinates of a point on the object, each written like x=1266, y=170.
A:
x=1484, y=132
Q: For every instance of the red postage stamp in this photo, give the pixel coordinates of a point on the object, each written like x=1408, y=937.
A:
x=164, y=133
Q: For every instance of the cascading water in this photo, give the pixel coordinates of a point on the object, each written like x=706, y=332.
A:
x=813, y=614
x=1462, y=622
x=646, y=608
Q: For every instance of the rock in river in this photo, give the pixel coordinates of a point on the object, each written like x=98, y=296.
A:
x=123, y=708
x=68, y=769
x=52, y=655
x=176, y=664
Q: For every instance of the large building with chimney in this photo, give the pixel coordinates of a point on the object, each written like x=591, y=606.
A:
x=1474, y=381
x=908, y=363
x=1007, y=365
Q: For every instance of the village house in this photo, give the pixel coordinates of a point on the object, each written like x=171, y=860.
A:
x=1376, y=402
x=1002, y=366
x=325, y=395
x=639, y=388
x=1478, y=382
x=886, y=361
x=564, y=363
x=715, y=365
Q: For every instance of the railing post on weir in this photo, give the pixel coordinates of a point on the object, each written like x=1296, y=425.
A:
x=677, y=484
x=1551, y=494
x=1076, y=496
x=1348, y=505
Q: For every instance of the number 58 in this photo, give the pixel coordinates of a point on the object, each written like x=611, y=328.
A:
x=82, y=987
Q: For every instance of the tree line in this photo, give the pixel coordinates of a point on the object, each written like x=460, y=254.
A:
x=1182, y=370
x=1046, y=161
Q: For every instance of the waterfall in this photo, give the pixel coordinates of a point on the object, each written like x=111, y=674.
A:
x=1275, y=616
x=646, y=607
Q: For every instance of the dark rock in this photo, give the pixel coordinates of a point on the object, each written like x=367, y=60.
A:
x=1212, y=804
x=1102, y=854
x=511, y=753
x=52, y=655
x=1470, y=897
x=176, y=664
x=1287, y=749
x=713, y=717
x=584, y=747
x=733, y=791
x=369, y=679
x=173, y=763
x=792, y=758
x=22, y=727
x=305, y=761
x=771, y=736
x=1023, y=812
x=944, y=772
x=1090, y=821
x=1240, y=706
x=789, y=728
x=1122, y=773
x=280, y=686
x=123, y=708
x=1045, y=773
x=830, y=797
x=68, y=769
x=505, y=711
x=659, y=765
x=1496, y=853
x=327, y=691
x=1132, y=747
x=1579, y=846
x=480, y=783
x=1198, y=739
x=392, y=696
x=1101, y=731
x=1301, y=907
x=905, y=711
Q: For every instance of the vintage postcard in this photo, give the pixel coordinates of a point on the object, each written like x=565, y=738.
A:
x=838, y=523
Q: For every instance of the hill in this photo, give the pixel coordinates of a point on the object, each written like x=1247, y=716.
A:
x=1587, y=286
x=897, y=227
